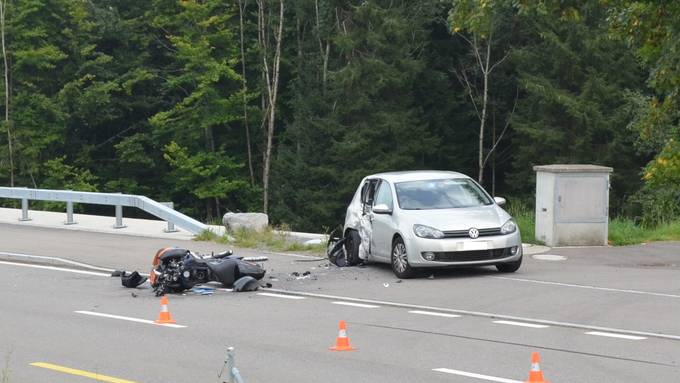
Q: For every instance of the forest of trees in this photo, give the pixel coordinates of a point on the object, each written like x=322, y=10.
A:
x=283, y=106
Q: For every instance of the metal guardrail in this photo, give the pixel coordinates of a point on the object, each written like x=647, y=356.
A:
x=158, y=209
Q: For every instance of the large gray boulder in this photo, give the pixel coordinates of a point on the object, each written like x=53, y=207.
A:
x=247, y=221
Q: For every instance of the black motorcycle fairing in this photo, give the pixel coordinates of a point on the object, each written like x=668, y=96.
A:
x=226, y=270
x=174, y=253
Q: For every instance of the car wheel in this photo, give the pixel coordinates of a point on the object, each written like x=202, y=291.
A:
x=352, y=247
x=400, y=265
x=509, y=267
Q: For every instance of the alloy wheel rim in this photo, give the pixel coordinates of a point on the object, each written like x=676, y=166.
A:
x=399, y=257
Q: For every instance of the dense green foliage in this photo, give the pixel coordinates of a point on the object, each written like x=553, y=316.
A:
x=164, y=98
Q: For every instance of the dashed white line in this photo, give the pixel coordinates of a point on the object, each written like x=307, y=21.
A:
x=130, y=319
x=434, y=314
x=56, y=269
x=281, y=296
x=612, y=335
x=521, y=324
x=481, y=314
x=476, y=376
x=588, y=287
x=355, y=305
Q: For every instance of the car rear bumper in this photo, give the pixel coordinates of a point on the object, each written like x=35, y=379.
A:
x=460, y=251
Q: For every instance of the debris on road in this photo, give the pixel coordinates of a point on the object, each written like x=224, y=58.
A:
x=246, y=283
x=203, y=290
x=131, y=280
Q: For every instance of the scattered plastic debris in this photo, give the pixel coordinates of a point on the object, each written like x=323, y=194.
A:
x=203, y=290
x=386, y=284
x=133, y=294
x=306, y=273
x=431, y=276
x=397, y=281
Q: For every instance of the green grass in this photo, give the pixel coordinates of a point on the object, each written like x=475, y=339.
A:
x=622, y=231
x=268, y=239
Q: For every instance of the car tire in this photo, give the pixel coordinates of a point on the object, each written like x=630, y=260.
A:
x=509, y=267
x=352, y=247
x=399, y=260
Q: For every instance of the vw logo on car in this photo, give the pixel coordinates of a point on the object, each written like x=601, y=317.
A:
x=473, y=233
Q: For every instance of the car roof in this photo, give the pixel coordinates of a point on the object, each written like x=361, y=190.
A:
x=417, y=175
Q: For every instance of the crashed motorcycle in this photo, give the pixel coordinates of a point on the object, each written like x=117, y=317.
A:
x=175, y=270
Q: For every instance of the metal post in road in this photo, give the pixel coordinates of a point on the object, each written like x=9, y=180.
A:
x=233, y=375
x=24, y=210
x=69, y=214
x=171, y=226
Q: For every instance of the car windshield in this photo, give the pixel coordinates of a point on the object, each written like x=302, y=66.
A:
x=440, y=194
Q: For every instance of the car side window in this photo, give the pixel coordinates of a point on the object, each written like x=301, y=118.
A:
x=384, y=195
x=368, y=194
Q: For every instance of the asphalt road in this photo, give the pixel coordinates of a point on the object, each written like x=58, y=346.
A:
x=600, y=315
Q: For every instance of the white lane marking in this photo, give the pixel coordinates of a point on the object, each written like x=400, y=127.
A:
x=521, y=324
x=281, y=296
x=129, y=319
x=55, y=268
x=588, y=287
x=356, y=305
x=611, y=335
x=296, y=255
x=62, y=260
x=476, y=376
x=434, y=314
x=481, y=314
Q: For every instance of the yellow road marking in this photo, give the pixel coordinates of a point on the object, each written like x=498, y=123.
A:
x=86, y=374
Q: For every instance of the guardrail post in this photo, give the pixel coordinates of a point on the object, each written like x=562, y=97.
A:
x=119, y=218
x=171, y=226
x=24, y=210
x=69, y=214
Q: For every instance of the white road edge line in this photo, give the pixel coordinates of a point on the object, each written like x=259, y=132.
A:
x=476, y=376
x=55, y=268
x=356, y=305
x=434, y=314
x=57, y=259
x=611, y=335
x=281, y=296
x=130, y=319
x=480, y=314
x=588, y=287
x=521, y=324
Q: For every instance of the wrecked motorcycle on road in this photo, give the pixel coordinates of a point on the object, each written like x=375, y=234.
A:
x=175, y=270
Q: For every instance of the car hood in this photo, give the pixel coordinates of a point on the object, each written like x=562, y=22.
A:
x=483, y=217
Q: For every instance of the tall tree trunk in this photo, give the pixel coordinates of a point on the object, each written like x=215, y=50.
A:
x=241, y=8
x=7, y=93
x=272, y=91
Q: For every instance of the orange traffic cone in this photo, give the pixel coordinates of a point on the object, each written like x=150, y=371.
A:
x=164, y=316
x=535, y=375
x=342, y=341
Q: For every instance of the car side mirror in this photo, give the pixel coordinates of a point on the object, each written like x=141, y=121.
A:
x=382, y=209
x=500, y=201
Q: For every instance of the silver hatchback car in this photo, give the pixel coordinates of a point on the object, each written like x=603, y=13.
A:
x=422, y=219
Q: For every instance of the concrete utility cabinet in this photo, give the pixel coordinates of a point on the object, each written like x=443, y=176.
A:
x=572, y=204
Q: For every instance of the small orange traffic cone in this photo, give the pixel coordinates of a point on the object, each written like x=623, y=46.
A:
x=535, y=375
x=342, y=341
x=164, y=316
